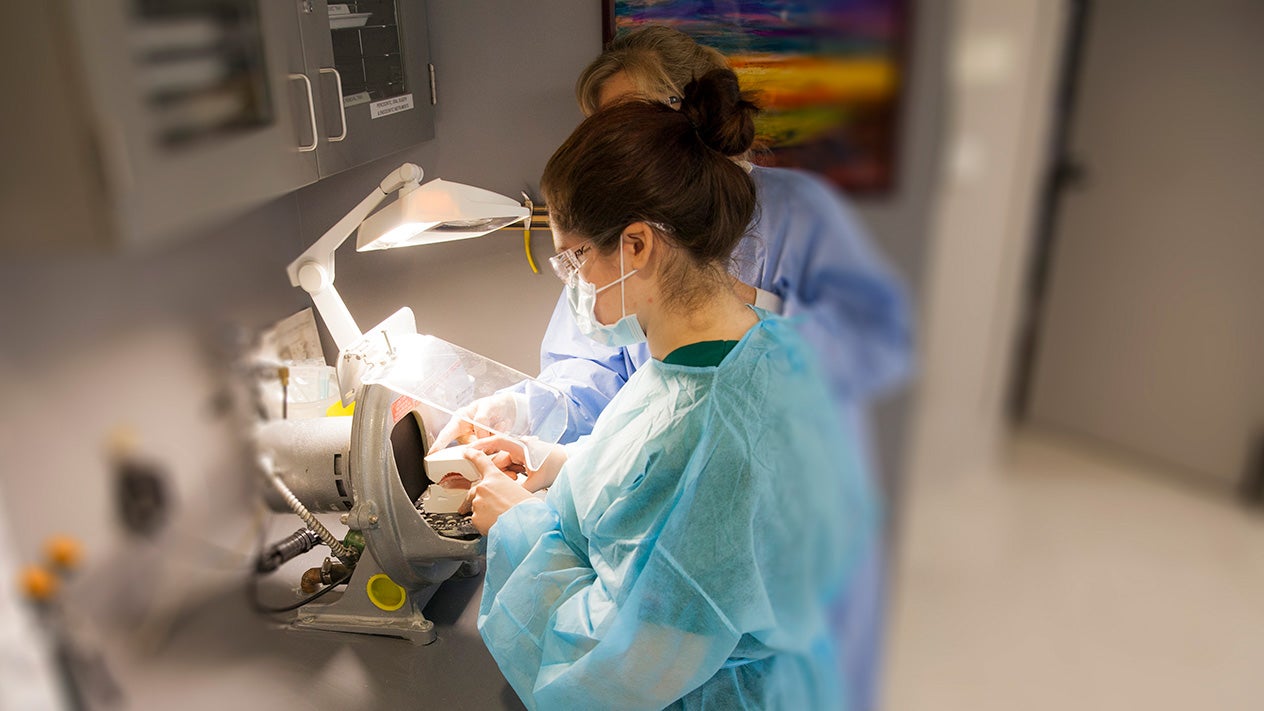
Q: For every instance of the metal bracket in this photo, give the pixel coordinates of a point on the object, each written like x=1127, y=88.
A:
x=363, y=515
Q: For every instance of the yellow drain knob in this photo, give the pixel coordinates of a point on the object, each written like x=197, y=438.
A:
x=385, y=593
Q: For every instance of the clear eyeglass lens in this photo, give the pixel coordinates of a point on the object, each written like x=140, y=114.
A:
x=566, y=264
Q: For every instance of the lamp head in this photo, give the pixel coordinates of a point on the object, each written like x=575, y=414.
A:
x=439, y=211
x=435, y=212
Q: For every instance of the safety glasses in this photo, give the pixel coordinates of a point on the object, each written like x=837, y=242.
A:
x=566, y=264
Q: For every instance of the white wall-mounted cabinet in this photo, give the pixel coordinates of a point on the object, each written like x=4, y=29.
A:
x=145, y=119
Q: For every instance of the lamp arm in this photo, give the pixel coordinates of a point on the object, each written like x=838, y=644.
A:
x=314, y=268
x=321, y=253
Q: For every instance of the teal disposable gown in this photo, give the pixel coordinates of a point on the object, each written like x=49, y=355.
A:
x=807, y=247
x=688, y=552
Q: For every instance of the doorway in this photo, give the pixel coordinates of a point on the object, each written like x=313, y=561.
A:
x=1144, y=328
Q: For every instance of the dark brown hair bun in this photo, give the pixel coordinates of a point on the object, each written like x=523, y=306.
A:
x=722, y=115
x=643, y=161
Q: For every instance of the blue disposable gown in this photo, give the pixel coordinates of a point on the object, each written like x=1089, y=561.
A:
x=688, y=551
x=807, y=248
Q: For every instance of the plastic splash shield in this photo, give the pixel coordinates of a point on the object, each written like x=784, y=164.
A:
x=446, y=378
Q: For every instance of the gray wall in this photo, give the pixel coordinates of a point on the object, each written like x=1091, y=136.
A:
x=901, y=223
x=93, y=342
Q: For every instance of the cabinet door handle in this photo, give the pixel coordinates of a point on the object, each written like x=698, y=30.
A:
x=311, y=112
x=342, y=109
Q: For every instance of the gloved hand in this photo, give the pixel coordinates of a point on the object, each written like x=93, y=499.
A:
x=493, y=495
x=509, y=456
x=503, y=411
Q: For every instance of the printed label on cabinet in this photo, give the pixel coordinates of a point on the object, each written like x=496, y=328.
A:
x=356, y=99
x=386, y=107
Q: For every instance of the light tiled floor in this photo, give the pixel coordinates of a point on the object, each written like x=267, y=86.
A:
x=1073, y=578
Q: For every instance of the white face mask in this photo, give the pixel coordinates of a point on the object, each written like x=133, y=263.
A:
x=582, y=297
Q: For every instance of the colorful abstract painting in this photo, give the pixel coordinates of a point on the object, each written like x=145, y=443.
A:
x=828, y=73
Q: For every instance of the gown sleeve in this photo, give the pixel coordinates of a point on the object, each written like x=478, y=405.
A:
x=562, y=641
x=848, y=303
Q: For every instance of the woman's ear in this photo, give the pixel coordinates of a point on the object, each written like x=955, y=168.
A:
x=638, y=243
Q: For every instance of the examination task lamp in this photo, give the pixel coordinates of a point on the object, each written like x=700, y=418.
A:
x=438, y=211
